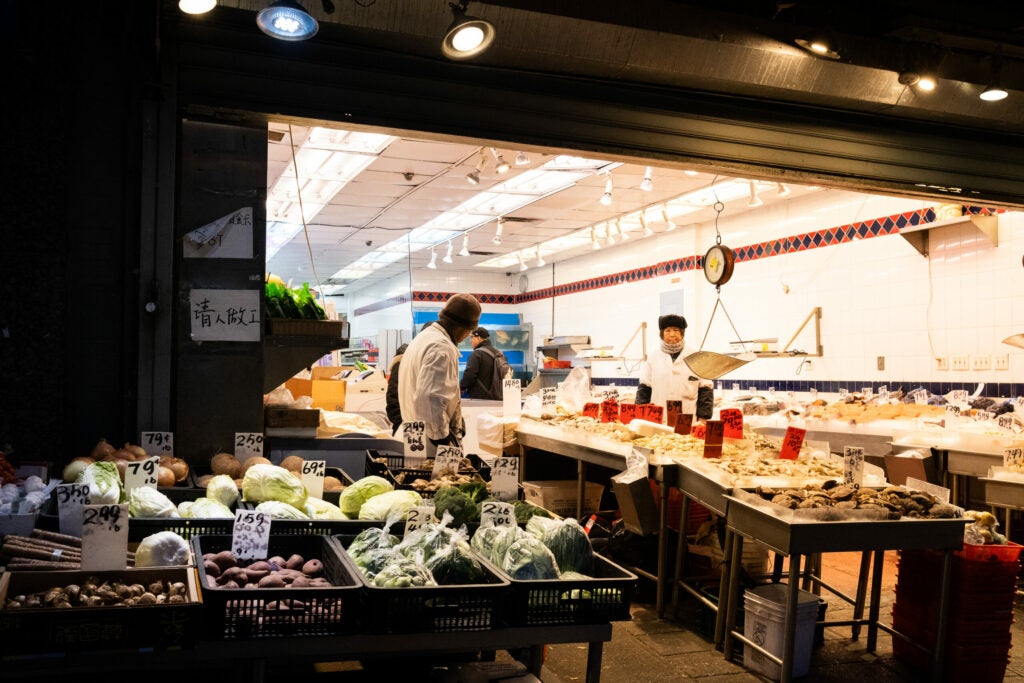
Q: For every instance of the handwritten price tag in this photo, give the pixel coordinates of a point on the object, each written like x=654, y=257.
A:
x=141, y=473
x=627, y=413
x=684, y=424
x=698, y=431
x=511, y=398
x=493, y=513
x=417, y=516
x=414, y=435
x=446, y=461
x=592, y=410
x=104, y=537
x=853, y=465
x=958, y=396
x=1013, y=458
x=548, y=400
x=505, y=478
x=1005, y=421
x=952, y=409
x=714, y=432
x=792, y=442
x=672, y=410
x=651, y=413
x=248, y=445
x=157, y=443
x=609, y=411
x=70, y=500
x=313, y=473
x=250, y=535
x=733, y=420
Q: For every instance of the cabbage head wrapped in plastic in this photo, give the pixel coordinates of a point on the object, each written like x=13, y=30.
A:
x=371, y=550
x=528, y=560
x=455, y=564
x=502, y=541
x=428, y=539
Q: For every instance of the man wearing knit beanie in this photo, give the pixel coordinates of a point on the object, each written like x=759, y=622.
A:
x=428, y=376
x=666, y=377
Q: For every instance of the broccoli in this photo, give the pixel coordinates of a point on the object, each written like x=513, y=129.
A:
x=460, y=505
x=476, y=489
x=525, y=510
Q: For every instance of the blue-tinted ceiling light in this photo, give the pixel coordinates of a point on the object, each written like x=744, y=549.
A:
x=287, y=20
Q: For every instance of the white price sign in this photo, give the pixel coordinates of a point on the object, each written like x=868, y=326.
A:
x=141, y=473
x=493, y=513
x=853, y=465
x=1014, y=458
x=952, y=409
x=505, y=478
x=417, y=516
x=983, y=416
x=414, y=434
x=157, y=443
x=446, y=461
x=250, y=535
x=313, y=473
x=248, y=445
x=958, y=396
x=636, y=462
x=1018, y=404
x=70, y=500
x=548, y=399
x=104, y=537
x=511, y=398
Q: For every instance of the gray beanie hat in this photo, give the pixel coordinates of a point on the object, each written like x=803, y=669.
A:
x=462, y=309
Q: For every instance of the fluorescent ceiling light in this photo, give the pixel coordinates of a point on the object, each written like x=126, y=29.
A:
x=278, y=235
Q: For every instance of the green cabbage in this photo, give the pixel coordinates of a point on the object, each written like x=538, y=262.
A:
x=528, y=560
x=318, y=508
x=104, y=483
x=146, y=501
x=208, y=508
x=272, y=483
x=361, y=490
x=455, y=564
x=390, y=502
x=568, y=542
x=162, y=549
x=185, y=508
x=278, y=510
x=222, y=488
x=502, y=541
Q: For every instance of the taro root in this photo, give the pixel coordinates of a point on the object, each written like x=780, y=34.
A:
x=295, y=562
x=313, y=568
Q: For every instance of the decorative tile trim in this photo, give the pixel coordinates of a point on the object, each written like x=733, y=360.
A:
x=826, y=237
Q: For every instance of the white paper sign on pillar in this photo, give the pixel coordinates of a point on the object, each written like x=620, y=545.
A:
x=104, y=537
x=229, y=236
x=225, y=314
x=248, y=445
x=511, y=399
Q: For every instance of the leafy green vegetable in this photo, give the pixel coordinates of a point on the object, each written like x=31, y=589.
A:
x=528, y=559
x=476, y=490
x=208, y=508
x=146, y=501
x=403, y=572
x=353, y=497
x=567, y=541
x=388, y=504
x=222, y=488
x=525, y=510
x=461, y=505
x=318, y=508
x=279, y=510
x=104, y=483
x=271, y=482
x=162, y=549
x=455, y=564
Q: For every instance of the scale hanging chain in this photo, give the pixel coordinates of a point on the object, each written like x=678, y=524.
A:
x=719, y=207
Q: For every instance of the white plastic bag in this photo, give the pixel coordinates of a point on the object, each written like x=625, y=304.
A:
x=574, y=392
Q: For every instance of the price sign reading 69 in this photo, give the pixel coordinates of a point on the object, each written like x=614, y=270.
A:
x=250, y=537
x=313, y=474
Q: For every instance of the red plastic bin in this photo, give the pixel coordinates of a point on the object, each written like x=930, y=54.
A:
x=1008, y=553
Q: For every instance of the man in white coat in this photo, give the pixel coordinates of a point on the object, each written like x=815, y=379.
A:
x=666, y=377
x=428, y=376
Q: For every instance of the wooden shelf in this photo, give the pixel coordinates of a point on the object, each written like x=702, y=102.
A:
x=917, y=235
x=284, y=355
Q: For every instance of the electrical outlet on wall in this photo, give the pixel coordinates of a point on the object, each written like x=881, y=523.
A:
x=941, y=363
x=981, y=362
x=1001, y=361
x=960, y=362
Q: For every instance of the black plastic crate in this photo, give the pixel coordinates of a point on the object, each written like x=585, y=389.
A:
x=433, y=609
x=256, y=613
x=395, y=463
x=604, y=597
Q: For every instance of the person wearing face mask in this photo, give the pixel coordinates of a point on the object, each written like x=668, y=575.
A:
x=666, y=377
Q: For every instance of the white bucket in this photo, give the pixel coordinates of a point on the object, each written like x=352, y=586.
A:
x=764, y=623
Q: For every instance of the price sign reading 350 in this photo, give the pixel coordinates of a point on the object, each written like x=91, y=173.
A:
x=141, y=473
x=248, y=445
x=70, y=499
x=250, y=536
x=104, y=537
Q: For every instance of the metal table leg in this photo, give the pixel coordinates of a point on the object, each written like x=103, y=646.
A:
x=938, y=657
x=789, y=636
x=731, y=603
x=581, y=483
x=662, y=549
x=862, y=587
x=876, y=599
x=594, y=662
x=724, y=587
x=681, y=551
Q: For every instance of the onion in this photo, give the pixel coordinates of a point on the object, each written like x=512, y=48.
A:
x=293, y=463
x=138, y=452
x=255, y=460
x=226, y=463
x=165, y=476
x=119, y=454
x=332, y=484
x=180, y=469
x=101, y=449
x=122, y=466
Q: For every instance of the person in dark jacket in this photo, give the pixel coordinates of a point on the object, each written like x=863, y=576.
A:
x=479, y=374
x=394, y=410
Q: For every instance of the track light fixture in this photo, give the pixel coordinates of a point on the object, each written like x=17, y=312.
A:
x=522, y=263
x=540, y=259
x=784, y=190
x=433, y=259
x=819, y=46
x=467, y=36
x=647, y=184
x=473, y=177
x=606, y=198
x=623, y=235
x=669, y=225
x=287, y=20
x=497, y=231
x=448, y=254
x=593, y=239
x=500, y=165
x=755, y=198
x=643, y=223
x=196, y=6
x=465, y=246
x=993, y=93
x=522, y=159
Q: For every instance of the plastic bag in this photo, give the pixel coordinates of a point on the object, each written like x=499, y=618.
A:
x=574, y=392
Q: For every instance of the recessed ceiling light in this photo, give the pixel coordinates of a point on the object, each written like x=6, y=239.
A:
x=994, y=93
x=818, y=46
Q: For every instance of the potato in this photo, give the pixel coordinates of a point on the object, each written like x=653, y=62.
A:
x=272, y=581
x=236, y=574
x=224, y=559
x=255, y=575
x=293, y=463
x=259, y=565
x=295, y=561
x=332, y=484
x=211, y=569
x=313, y=568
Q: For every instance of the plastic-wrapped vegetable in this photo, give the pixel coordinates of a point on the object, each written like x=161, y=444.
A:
x=428, y=539
x=567, y=541
x=502, y=541
x=528, y=559
x=525, y=510
x=404, y=572
x=372, y=548
x=455, y=563
x=483, y=539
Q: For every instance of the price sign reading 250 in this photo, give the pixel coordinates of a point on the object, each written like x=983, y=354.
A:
x=248, y=445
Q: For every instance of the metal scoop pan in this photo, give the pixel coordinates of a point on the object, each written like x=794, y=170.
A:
x=711, y=365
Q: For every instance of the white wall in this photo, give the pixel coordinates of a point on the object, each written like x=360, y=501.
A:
x=879, y=296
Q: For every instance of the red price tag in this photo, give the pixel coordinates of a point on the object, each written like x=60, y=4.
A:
x=650, y=412
x=684, y=423
x=592, y=410
x=627, y=411
x=714, y=431
x=792, y=442
x=697, y=432
x=609, y=411
x=733, y=419
x=672, y=410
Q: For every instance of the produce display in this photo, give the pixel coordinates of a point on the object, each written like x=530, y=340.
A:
x=94, y=592
x=228, y=572
x=26, y=498
x=171, y=470
x=281, y=301
x=545, y=549
x=892, y=502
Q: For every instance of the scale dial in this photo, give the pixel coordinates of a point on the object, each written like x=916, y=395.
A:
x=718, y=264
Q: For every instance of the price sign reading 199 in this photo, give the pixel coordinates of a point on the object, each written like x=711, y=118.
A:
x=248, y=445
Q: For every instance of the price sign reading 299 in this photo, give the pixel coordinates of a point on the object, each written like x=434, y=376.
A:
x=250, y=537
x=104, y=537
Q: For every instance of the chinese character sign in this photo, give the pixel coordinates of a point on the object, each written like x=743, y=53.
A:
x=225, y=314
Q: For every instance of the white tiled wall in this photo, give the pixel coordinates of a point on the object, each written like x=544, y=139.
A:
x=879, y=296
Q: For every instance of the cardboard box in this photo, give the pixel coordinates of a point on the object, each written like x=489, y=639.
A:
x=560, y=496
x=636, y=501
x=898, y=468
x=327, y=393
